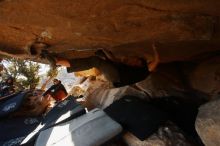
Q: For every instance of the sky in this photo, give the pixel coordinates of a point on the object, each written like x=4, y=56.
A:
x=43, y=68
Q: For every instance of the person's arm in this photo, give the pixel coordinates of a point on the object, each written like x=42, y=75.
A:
x=48, y=91
x=152, y=65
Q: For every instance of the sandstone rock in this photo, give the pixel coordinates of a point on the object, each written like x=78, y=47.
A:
x=75, y=29
x=208, y=123
x=206, y=77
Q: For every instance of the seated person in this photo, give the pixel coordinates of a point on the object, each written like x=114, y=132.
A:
x=33, y=104
x=57, y=91
x=7, y=87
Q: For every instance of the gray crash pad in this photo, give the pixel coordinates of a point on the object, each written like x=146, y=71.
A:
x=91, y=129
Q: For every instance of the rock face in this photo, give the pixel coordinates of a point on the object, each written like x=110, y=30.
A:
x=71, y=29
x=208, y=123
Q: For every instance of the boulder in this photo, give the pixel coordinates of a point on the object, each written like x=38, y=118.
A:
x=167, y=135
x=102, y=97
x=167, y=80
x=206, y=77
x=208, y=123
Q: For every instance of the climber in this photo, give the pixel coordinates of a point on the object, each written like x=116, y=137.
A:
x=117, y=73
